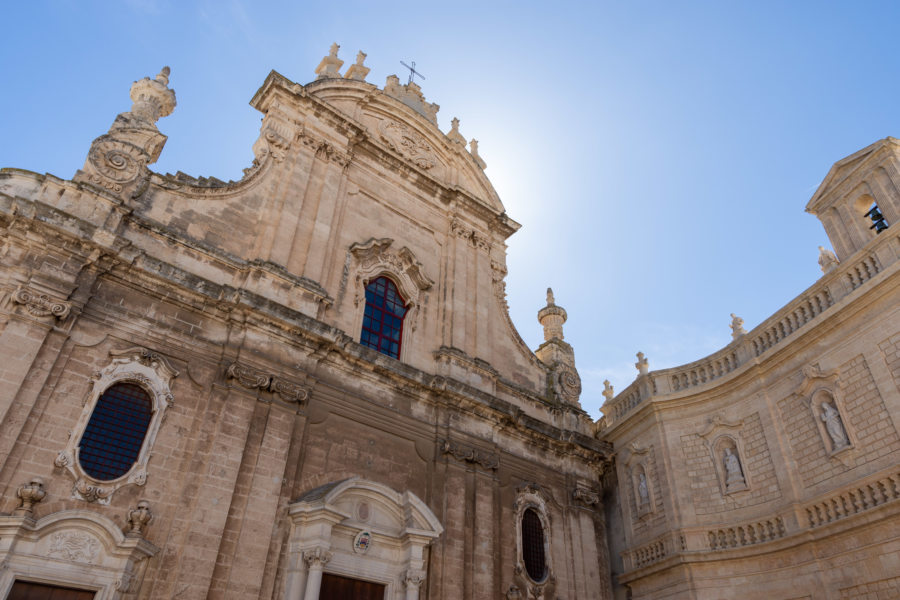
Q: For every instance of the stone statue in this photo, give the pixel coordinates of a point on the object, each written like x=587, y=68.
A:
x=360, y=58
x=643, y=492
x=737, y=327
x=734, y=477
x=827, y=259
x=608, y=391
x=334, y=49
x=832, y=419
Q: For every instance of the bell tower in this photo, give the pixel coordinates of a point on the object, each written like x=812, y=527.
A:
x=860, y=196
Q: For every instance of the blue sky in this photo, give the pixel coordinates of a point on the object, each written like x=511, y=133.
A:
x=658, y=154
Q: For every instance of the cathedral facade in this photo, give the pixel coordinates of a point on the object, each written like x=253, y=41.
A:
x=305, y=384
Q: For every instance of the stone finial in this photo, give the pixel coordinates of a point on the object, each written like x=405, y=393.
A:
x=642, y=364
x=138, y=519
x=330, y=66
x=454, y=135
x=827, y=259
x=608, y=391
x=552, y=317
x=473, y=150
x=152, y=99
x=737, y=327
x=411, y=95
x=30, y=494
x=358, y=70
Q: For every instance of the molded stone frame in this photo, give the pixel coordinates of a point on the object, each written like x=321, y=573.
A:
x=72, y=548
x=638, y=462
x=531, y=495
x=326, y=523
x=816, y=388
x=719, y=435
x=374, y=259
x=154, y=375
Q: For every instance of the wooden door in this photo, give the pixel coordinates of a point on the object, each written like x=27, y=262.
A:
x=335, y=587
x=25, y=590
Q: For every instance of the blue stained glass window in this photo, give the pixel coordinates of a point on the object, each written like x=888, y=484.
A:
x=383, y=319
x=115, y=433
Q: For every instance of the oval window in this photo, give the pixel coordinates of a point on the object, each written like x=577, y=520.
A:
x=533, y=545
x=115, y=433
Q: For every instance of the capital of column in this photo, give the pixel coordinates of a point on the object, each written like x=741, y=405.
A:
x=414, y=578
x=316, y=557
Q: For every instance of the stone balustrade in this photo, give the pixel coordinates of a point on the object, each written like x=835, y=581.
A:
x=862, y=497
x=882, y=254
x=746, y=534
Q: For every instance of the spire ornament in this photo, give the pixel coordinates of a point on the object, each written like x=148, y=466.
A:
x=358, y=70
x=330, y=66
x=117, y=160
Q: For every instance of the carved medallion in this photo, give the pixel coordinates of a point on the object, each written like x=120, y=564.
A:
x=116, y=161
x=569, y=383
x=408, y=143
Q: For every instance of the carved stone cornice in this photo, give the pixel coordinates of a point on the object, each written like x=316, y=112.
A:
x=41, y=305
x=254, y=379
x=470, y=454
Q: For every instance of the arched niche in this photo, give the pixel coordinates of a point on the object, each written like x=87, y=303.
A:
x=362, y=530
x=72, y=548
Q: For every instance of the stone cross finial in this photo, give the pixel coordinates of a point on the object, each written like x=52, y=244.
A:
x=358, y=70
x=642, y=364
x=473, y=150
x=827, y=259
x=454, y=134
x=330, y=66
x=737, y=327
x=30, y=494
x=608, y=391
x=138, y=519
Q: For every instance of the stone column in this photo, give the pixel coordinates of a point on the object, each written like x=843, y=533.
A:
x=315, y=559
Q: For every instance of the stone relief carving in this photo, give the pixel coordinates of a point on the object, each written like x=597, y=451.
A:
x=568, y=384
x=253, y=379
x=74, y=546
x=474, y=237
x=154, y=374
x=465, y=453
x=586, y=497
x=408, y=144
x=41, y=305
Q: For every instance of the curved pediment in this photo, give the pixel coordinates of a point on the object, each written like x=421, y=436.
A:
x=395, y=124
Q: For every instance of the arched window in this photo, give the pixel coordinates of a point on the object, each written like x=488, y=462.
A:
x=383, y=320
x=533, y=545
x=115, y=433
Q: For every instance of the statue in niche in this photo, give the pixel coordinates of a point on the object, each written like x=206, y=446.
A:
x=832, y=419
x=734, y=476
x=643, y=492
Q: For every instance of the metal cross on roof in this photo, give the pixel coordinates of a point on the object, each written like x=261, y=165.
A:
x=412, y=71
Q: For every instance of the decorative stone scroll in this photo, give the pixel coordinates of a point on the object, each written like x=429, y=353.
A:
x=253, y=379
x=41, y=305
x=142, y=367
x=465, y=453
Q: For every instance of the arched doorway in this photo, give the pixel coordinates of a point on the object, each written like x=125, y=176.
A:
x=360, y=538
